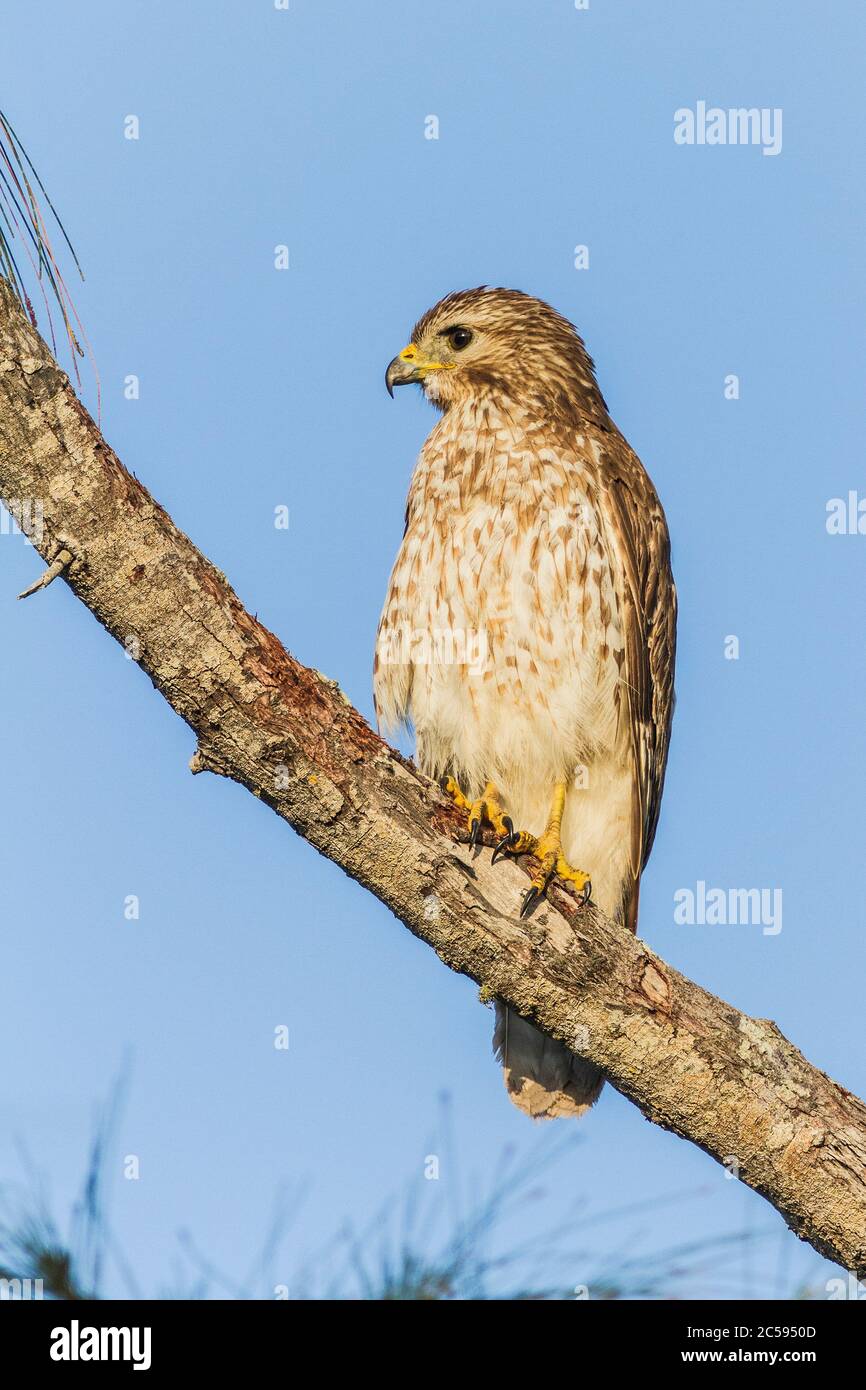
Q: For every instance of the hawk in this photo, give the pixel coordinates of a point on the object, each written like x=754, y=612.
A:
x=529, y=627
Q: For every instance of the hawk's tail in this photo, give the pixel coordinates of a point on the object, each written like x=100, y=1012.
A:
x=543, y=1077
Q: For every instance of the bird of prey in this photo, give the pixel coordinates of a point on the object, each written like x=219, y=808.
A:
x=529, y=628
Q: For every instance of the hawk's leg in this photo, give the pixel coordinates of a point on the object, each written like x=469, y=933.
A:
x=485, y=811
x=547, y=848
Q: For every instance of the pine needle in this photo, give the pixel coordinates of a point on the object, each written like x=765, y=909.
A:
x=22, y=222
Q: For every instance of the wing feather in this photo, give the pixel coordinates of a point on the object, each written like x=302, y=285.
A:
x=637, y=530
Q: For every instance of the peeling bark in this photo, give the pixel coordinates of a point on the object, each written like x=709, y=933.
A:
x=693, y=1064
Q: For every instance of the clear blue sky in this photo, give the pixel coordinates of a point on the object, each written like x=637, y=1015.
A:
x=260, y=127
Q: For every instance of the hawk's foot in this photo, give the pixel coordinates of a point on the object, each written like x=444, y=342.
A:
x=485, y=811
x=547, y=849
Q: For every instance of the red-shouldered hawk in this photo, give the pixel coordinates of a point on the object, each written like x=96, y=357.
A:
x=529, y=629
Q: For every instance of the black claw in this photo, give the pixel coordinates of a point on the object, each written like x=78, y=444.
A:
x=587, y=891
x=443, y=783
x=530, y=900
x=507, y=841
x=474, y=833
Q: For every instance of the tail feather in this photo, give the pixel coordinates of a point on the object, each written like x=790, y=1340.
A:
x=543, y=1077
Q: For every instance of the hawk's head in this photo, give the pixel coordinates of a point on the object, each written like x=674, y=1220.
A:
x=499, y=343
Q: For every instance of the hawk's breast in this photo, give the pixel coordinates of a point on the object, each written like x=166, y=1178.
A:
x=501, y=637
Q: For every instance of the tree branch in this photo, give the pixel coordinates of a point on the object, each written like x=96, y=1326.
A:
x=729, y=1083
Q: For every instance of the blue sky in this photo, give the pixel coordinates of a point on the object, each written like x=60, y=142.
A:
x=261, y=388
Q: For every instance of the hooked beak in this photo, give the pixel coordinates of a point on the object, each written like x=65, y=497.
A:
x=410, y=365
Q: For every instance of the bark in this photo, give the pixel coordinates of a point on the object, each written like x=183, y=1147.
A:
x=693, y=1064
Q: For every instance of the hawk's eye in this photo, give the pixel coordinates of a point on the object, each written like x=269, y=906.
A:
x=459, y=338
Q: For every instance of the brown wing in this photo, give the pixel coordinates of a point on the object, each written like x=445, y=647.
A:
x=638, y=531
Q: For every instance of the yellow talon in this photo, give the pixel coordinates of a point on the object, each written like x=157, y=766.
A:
x=547, y=849
x=485, y=811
